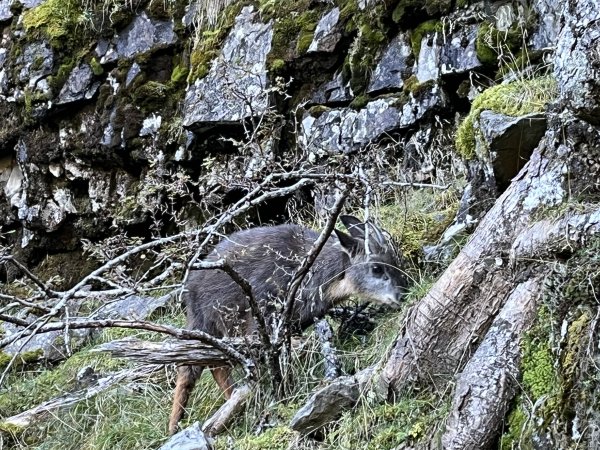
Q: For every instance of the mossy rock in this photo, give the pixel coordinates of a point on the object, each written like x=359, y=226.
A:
x=294, y=24
x=179, y=75
x=151, y=96
x=23, y=359
x=490, y=42
x=361, y=59
x=419, y=219
x=359, y=102
x=208, y=46
x=512, y=99
x=422, y=30
x=277, y=438
x=402, y=7
x=59, y=22
x=318, y=110
x=97, y=68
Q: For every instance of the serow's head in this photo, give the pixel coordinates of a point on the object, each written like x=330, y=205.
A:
x=375, y=272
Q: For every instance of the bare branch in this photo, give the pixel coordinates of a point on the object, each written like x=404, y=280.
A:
x=332, y=363
x=49, y=292
x=300, y=273
x=219, y=420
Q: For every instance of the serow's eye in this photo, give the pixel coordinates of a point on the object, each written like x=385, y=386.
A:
x=377, y=270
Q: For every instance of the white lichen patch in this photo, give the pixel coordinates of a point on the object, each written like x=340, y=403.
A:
x=548, y=192
x=151, y=125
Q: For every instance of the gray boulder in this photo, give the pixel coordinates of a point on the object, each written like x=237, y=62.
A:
x=78, y=86
x=345, y=130
x=52, y=346
x=548, y=26
x=235, y=87
x=458, y=54
x=327, y=33
x=510, y=141
x=575, y=72
x=5, y=12
x=36, y=64
x=132, y=307
x=428, y=62
x=192, y=438
x=141, y=35
x=144, y=34
x=393, y=67
x=336, y=90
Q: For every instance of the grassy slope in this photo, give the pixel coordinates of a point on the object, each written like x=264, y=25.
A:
x=133, y=416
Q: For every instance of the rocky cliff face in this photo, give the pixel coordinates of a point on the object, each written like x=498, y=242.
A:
x=108, y=105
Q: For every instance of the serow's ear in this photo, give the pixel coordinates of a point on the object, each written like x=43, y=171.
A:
x=355, y=227
x=348, y=244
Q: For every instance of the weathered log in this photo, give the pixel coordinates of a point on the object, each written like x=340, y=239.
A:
x=33, y=415
x=170, y=351
x=488, y=383
x=220, y=419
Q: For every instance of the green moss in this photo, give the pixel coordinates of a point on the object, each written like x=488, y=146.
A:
x=419, y=219
x=179, y=74
x=517, y=420
x=412, y=86
x=57, y=20
x=208, y=45
x=512, y=99
x=538, y=370
x=23, y=359
x=97, y=68
x=359, y=102
x=294, y=24
x=151, y=96
x=318, y=110
x=11, y=429
x=387, y=426
x=57, y=80
x=305, y=38
x=277, y=66
x=277, y=438
x=361, y=58
x=417, y=35
x=492, y=43
x=411, y=83
x=403, y=7
x=577, y=335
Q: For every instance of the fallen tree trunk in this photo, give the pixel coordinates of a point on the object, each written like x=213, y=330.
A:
x=179, y=352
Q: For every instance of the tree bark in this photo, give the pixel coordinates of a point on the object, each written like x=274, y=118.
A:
x=550, y=209
x=564, y=169
x=489, y=380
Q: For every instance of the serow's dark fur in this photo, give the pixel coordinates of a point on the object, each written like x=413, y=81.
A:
x=267, y=258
